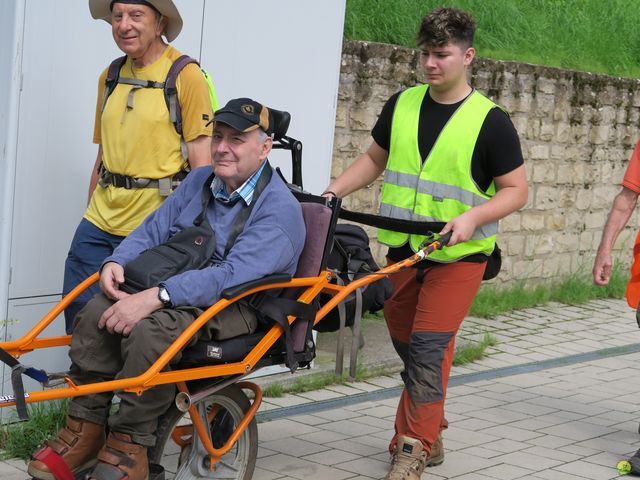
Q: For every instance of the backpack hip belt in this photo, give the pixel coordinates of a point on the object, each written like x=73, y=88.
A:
x=166, y=185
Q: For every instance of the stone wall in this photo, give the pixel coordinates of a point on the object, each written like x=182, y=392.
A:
x=577, y=131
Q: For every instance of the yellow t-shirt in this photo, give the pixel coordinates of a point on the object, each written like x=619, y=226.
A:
x=141, y=141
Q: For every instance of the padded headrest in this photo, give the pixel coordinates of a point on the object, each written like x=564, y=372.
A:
x=281, y=120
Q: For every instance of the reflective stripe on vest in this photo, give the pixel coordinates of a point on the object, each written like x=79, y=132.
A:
x=387, y=210
x=442, y=187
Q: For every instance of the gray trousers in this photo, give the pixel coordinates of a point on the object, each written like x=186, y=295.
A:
x=97, y=355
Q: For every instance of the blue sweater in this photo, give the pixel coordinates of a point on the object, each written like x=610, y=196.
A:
x=271, y=241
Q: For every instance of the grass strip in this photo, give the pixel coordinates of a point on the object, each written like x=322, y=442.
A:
x=572, y=290
x=464, y=354
x=470, y=352
x=21, y=439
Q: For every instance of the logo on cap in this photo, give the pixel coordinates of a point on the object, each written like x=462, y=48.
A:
x=247, y=109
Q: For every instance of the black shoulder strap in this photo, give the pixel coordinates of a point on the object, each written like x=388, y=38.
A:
x=205, y=198
x=17, y=369
x=113, y=74
x=243, y=215
x=171, y=91
x=241, y=219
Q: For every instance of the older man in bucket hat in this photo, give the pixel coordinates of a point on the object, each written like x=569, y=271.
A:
x=141, y=153
x=120, y=335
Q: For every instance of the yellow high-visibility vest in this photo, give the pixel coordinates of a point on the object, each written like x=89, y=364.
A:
x=442, y=187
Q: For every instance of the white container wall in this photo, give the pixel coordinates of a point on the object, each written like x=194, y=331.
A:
x=52, y=55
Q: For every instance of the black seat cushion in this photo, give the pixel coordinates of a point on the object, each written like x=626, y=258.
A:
x=226, y=351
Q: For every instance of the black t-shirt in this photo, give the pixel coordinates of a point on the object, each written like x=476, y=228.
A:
x=497, y=150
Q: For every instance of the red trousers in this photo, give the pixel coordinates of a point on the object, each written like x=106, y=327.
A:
x=423, y=319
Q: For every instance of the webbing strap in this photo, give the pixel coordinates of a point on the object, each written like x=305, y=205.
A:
x=342, y=316
x=204, y=200
x=171, y=91
x=18, y=392
x=277, y=309
x=38, y=375
x=106, y=471
x=166, y=185
x=355, y=340
x=140, y=83
x=393, y=224
x=243, y=215
x=17, y=369
x=112, y=78
x=169, y=88
x=56, y=464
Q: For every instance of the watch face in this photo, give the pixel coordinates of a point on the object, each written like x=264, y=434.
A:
x=164, y=295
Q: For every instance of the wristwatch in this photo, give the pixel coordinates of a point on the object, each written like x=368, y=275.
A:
x=163, y=296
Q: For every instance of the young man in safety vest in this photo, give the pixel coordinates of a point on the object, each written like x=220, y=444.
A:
x=449, y=155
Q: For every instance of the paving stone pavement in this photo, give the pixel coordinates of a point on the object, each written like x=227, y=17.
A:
x=569, y=411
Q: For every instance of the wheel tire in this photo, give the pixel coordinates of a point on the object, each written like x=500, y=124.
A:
x=236, y=403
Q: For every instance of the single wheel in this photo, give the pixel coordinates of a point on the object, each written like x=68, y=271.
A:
x=225, y=409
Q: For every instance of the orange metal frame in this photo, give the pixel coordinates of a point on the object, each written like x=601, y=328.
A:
x=154, y=376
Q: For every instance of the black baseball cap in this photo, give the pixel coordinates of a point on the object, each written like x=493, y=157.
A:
x=244, y=115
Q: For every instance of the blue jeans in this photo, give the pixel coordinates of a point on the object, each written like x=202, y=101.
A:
x=89, y=247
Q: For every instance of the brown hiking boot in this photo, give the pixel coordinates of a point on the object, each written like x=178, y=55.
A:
x=120, y=456
x=408, y=460
x=78, y=444
x=436, y=457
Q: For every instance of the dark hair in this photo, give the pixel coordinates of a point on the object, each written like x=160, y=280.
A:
x=444, y=25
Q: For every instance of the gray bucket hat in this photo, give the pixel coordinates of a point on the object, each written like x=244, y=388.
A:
x=101, y=10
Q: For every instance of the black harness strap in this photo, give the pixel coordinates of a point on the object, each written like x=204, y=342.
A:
x=171, y=91
x=405, y=226
x=18, y=392
x=17, y=369
x=113, y=74
x=243, y=216
x=388, y=223
x=168, y=86
x=277, y=309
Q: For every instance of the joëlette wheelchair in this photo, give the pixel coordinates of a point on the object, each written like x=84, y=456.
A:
x=212, y=421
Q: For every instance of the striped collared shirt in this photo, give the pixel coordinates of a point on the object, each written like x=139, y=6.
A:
x=245, y=191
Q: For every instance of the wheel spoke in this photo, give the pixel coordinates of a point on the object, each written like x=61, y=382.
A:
x=237, y=464
x=229, y=466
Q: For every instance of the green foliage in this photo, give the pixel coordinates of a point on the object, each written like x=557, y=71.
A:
x=310, y=383
x=275, y=390
x=584, y=35
x=572, y=290
x=464, y=354
x=316, y=381
x=470, y=352
x=21, y=439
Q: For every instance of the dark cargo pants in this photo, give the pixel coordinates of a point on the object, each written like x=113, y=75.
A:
x=98, y=355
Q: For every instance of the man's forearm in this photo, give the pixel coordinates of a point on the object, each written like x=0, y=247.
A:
x=621, y=210
x=363, y=171
x=199, y=151
x=504, y=202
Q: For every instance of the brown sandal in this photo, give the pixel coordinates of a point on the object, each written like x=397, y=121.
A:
x=121, y=459
x=76, y=448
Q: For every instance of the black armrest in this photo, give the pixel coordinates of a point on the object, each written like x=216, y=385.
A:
x=231, y=292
